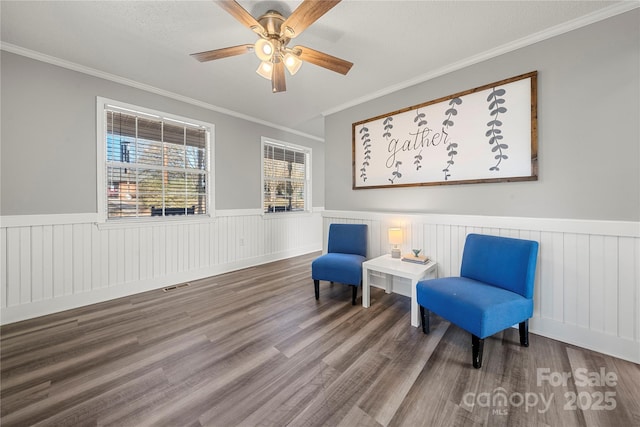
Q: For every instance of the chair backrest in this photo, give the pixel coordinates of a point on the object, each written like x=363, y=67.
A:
x=501, y=261
x=348, y=239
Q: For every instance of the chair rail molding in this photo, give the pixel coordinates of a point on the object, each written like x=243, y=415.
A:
x=51, y=263
x=587, y=289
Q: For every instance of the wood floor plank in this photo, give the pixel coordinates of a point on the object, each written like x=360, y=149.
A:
x=17, y=344
x=332, y=404
x=90, y=411
x=411, y=352
x=431, y=399
x=371, y=332
x=254, y=348
x=356, y=417
x=71, y=390
x=291, y=395
x=594, y=378
x=194, y=396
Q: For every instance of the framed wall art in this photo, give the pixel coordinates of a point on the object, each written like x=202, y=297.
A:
x=486, y=134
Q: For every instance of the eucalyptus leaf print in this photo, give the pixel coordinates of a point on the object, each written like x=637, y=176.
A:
x=396, y=173
x=420, y=120
x=388, y=125
x=452, y=146
x=365, y=139
x=496, y=107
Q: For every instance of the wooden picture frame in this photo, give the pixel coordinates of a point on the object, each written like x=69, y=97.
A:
x=486, y=134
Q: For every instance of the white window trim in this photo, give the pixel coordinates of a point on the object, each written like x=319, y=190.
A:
x=103, y=220
x=308, y=205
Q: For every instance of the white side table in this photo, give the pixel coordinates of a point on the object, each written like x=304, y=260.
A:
x=396, y=267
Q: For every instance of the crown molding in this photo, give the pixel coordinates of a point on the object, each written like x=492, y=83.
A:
x=602, y=14
x=18, y=50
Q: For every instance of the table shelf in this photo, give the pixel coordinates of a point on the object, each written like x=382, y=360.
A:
x=395, y=267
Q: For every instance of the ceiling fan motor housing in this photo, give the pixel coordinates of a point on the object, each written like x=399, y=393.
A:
x=272, y=22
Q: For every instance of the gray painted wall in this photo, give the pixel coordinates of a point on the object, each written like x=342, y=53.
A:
x=588, y=133
x=48, y=141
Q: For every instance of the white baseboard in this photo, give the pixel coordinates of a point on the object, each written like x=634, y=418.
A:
x=593, y=340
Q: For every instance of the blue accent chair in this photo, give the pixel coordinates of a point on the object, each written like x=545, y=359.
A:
x=494, y=290
x=346, y=251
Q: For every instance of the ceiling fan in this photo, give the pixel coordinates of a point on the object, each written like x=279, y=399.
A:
x=275, y=32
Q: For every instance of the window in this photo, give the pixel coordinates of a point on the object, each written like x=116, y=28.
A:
x=286, y=177
x=154, y=165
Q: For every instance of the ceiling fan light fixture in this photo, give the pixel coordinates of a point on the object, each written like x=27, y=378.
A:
x=265, y=69
x=292, y=62
x=264, y=49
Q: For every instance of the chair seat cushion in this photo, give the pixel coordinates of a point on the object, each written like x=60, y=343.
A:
x=340, y=268
x=474, y=306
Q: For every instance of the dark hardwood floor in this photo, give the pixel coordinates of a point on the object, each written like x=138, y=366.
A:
x=254, y=348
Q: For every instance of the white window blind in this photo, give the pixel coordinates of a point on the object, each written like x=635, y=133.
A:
x=286, y=177
x=155, y=166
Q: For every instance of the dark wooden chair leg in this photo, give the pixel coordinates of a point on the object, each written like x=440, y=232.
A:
x=354, y=295
x=424, y=317
x=477, y=345
x=316, y=285
x=524, y=333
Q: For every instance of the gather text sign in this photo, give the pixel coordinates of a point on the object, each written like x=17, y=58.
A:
x=486, y=134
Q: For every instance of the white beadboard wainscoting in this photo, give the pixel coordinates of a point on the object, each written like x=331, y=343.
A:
x=587, y=289
x=51, y=263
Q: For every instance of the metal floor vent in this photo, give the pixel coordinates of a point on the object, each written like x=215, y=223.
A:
x=175, y=287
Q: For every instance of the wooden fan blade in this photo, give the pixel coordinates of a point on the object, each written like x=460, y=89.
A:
x=210, y=55
x=244, y=17
x=306, y=14
x=324, y=60
x=278, y=83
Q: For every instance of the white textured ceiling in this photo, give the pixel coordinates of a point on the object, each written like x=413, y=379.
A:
x=391, y=43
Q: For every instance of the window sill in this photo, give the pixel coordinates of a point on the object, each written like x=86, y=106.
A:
x=280, y=215
x=153, y=222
